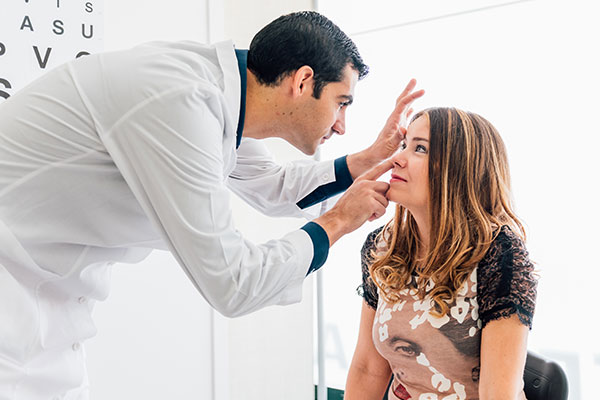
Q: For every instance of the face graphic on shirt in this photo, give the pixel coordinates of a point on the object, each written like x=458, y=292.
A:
x=425, y=361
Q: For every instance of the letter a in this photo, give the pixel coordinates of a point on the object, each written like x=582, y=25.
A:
x=27, y=23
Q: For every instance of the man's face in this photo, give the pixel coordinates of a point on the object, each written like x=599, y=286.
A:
x=318, y=119
x=424, y=361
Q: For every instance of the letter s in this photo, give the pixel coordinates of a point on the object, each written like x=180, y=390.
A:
x=7, y=85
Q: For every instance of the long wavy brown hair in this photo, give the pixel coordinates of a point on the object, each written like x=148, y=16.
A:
x=469, y=186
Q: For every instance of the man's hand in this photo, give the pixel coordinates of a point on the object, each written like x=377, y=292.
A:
x=390, y=136
x=364, y=200
x=394, y=130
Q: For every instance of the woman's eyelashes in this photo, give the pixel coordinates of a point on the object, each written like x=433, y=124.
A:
x=419, y=148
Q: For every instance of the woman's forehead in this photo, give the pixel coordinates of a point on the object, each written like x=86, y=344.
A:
x=418, y=128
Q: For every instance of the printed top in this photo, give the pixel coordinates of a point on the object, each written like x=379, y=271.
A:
x=437, y=358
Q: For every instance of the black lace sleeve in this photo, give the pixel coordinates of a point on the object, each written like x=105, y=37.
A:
x=506, y=282
x=368, y=289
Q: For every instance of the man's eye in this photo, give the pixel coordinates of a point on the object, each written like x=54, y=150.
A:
x=407, y=350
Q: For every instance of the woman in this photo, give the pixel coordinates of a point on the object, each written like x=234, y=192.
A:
x=449, y=290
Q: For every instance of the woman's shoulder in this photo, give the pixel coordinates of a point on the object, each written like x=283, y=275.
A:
x=371, y=240
x=368, y=290
x=506, y=250
x=506, y=281
x=505, y=236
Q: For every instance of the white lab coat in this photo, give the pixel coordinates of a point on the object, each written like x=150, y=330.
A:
x=110, y=156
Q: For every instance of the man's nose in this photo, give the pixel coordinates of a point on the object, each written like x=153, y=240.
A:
x=340, y=125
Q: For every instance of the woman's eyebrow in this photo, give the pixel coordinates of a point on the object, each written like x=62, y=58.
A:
x=415, y=139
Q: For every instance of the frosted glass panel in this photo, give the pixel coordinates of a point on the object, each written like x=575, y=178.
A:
x=356, y=16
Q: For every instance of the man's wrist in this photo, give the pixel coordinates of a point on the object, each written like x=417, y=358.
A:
x=332, y=225
x=361, y=162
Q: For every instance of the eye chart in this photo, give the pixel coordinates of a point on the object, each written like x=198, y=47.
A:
x=38, y=35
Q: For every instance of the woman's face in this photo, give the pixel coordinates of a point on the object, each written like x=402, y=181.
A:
x=409, y=185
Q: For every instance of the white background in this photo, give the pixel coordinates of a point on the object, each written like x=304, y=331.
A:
x=531, y=68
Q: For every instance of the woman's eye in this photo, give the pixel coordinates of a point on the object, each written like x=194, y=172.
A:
x=402, y=145
x=420, y=148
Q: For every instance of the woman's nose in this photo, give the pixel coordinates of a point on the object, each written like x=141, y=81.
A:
x=399, y=160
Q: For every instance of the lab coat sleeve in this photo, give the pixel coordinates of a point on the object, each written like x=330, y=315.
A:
x=170, y=152
x=302, y=188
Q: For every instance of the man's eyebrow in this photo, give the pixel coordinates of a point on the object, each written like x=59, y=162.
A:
x=348, y=97
x=395, y=339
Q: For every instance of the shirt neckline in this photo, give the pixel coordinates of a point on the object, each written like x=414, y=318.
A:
x=242, y=58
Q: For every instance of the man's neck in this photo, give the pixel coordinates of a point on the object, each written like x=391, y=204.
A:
x=265, y=110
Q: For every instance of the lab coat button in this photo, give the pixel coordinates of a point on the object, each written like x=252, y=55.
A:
x=76, y=346
x=325, y=177
x=82, y=300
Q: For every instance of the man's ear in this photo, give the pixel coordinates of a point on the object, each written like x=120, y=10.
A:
x=302, y=81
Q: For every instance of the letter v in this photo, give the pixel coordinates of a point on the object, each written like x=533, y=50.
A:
x=41, y=62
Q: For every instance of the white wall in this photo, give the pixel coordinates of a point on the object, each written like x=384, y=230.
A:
x=271, y=351
x=154, y=331
x=131, y=22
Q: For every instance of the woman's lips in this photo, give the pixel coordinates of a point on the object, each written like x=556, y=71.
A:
x=397, y=178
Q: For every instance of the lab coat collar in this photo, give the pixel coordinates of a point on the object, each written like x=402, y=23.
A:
x=231, y=78
x=242, y=57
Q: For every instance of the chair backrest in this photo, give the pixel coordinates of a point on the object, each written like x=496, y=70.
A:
x=544, y=379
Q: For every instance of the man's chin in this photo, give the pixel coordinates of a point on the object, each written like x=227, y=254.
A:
x=309, y=151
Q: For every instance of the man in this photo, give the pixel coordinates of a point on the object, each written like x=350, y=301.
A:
x=108, y=157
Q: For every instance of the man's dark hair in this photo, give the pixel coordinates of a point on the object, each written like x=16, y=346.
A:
x=303, y=38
